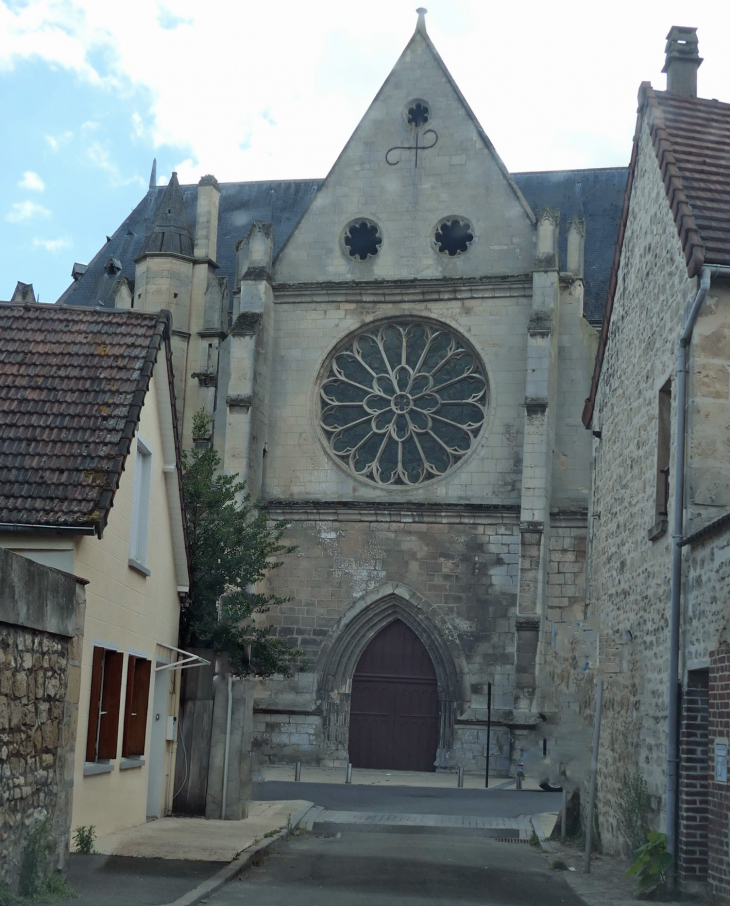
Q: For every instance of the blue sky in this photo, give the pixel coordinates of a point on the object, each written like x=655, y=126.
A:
x=91, y=92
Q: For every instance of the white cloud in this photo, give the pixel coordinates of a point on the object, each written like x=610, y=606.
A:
x=23, y=211
x=53, y=245
x=89, y=126
x=55, y=141
x=32, y=182
x=286, y=99
x=99, y=155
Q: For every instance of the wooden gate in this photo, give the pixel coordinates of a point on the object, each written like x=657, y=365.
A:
x=394, y=709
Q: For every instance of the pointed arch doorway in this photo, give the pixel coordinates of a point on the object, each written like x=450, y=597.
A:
x=394, y=708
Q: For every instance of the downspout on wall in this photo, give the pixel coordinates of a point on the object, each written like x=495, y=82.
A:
x=706, y=275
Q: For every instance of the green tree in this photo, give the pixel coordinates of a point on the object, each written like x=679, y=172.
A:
x=233, y=546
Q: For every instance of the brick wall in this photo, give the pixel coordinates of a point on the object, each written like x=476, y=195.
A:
x=718, y=857
x=693, y=801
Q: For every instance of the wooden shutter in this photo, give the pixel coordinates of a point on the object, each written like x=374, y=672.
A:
x=135, y=706
x=97, y=661
x=111, y=694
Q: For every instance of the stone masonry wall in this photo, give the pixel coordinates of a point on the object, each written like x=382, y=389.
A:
x=629, y=574
x=466, y=574
x=39, y=690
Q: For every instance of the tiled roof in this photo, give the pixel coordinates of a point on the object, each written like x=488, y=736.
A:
x=595, y=195
x=72, y=385
x=691, y=138
x=692, y=143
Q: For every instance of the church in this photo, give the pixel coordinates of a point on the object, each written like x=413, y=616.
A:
x=395, y=359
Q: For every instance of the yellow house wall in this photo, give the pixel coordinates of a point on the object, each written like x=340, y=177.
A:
x=129, y=610
x=132, y=611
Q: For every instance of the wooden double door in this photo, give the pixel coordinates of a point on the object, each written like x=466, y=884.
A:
x=394, y=709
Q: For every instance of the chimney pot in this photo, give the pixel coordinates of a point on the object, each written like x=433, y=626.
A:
x=683, y=61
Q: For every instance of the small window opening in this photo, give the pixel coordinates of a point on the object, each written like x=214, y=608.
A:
x=140, y=503
x=418, y=114
x=174, y=295
x=454, y=236
x=363, y=239
x=544, y=747
x=663, y=449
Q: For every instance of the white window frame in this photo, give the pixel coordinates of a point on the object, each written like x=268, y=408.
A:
x=139, y=528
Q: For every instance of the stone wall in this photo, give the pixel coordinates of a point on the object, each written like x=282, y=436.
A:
x=628, y=599
x=461, y=574
x=629, y=559
x=39, y=693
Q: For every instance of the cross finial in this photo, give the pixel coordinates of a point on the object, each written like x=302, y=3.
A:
x=421, y=24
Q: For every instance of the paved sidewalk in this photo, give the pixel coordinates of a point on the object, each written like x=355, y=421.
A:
x=606, y=884
x=367, y=777
x=201, y=840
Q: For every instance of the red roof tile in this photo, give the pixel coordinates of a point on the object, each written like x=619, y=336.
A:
x=72, y=385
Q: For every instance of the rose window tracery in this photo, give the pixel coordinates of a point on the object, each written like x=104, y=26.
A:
x=403, y=402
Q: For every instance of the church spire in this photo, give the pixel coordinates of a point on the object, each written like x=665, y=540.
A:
x=170, y=232
x=421, y=24
x=153, y=174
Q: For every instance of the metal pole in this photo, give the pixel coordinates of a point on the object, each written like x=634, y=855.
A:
x=348, y=774
x=489, y=730
x=594, y=773
x=224, y=798
x=460, y=782
x=298, y=771
x=564, y=817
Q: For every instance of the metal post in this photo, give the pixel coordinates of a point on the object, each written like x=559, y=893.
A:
x=460, y=782
x=564, y=817
x=348, y=774
x=594, y=773
x=489, y=730
x=224, y=797
x=298, y=771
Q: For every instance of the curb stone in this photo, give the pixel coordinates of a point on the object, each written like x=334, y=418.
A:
x=240, y=863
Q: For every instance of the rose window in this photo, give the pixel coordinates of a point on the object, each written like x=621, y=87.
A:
x=403, y=402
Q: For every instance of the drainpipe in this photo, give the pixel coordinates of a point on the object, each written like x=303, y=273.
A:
x=706, y=275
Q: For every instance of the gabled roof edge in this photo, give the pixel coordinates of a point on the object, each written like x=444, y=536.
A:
x=590, y=402
x=692, y=245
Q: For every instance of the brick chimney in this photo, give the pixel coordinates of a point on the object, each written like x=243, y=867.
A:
x=683, y=61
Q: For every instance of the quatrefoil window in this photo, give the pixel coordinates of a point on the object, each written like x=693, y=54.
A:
x=418, y=113
x=403, y=402
x=453, y=236
x=362, y=239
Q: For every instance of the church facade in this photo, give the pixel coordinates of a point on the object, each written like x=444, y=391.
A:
x=395, y=359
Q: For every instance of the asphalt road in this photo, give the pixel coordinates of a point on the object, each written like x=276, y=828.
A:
x=355, y=869
x=122, y=880
x=413, y=800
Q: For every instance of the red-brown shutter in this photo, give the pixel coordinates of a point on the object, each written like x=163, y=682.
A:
x=110, y=698
x=135, y=706
x=96, y=665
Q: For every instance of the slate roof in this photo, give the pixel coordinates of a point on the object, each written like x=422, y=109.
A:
x=170, y=231
x=595, y=195
x=72, y=385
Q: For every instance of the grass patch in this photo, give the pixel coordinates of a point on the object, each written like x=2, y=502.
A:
x=559, y=865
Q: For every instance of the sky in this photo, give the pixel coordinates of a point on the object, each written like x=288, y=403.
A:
x=91, y=91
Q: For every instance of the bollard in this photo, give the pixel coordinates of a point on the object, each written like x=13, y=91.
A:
x=348, y=774
x=564, y=817
x=520, y=775
x=461, y=777
x=298, y=771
